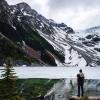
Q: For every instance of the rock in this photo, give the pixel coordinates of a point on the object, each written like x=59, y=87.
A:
x=85, y=98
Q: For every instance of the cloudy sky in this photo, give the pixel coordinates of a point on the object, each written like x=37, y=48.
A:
x=78, y=14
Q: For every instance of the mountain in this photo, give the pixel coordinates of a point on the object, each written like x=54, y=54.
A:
x=43, y=41
x=89, y=41
x=18, y=25
x=93, y=29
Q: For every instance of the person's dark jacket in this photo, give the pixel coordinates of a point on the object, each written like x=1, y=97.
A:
x=80, y=79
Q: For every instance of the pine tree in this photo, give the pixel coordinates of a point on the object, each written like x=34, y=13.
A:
x=8, y=82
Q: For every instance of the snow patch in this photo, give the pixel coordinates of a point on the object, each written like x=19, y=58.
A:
x=26, y=14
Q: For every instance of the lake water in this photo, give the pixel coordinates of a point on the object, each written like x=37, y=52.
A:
x=55, y=72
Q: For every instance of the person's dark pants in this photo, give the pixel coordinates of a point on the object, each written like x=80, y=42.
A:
x=80, y=90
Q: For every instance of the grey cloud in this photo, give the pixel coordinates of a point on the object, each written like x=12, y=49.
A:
x=56, y=4
x=78, y=14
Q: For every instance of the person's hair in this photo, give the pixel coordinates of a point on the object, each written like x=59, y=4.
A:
x=80, y=70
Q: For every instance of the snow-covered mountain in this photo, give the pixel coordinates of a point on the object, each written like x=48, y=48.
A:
x=21, y=30
x=56, y=34
x=54, y=43
x=93, y=29
x=89, y=41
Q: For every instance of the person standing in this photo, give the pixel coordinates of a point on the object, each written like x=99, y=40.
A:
x=80, y=83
